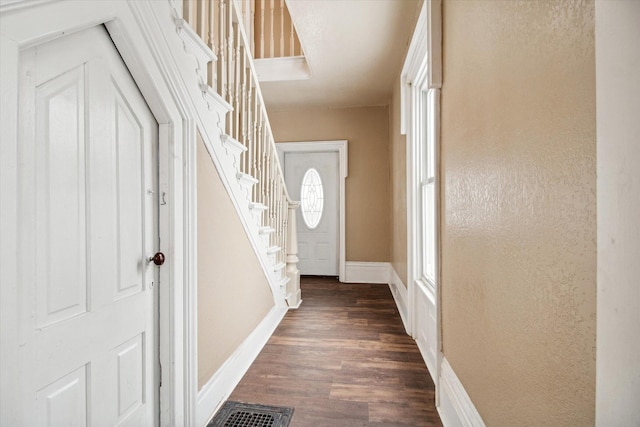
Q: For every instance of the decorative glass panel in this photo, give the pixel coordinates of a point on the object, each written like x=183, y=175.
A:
x=311, y=198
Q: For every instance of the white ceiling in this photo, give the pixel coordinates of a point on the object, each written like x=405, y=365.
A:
x=354, y=48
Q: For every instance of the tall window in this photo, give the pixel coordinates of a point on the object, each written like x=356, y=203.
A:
x=428, y=216
x=423, y=105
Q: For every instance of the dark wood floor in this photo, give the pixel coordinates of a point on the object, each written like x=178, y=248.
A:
x=343, y=359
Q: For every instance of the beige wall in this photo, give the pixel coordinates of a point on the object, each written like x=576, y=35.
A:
x=367, y=187
x=398, y=158
x=233, y=292
x=519, y=208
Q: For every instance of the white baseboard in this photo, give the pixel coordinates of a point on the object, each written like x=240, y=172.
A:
x=455, y=405
x=366, y=272
x=220, y=386
x=400, y=295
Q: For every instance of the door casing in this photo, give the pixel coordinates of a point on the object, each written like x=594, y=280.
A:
x=341, y=147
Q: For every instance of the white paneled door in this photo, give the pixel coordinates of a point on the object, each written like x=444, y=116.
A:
x=87, y=295
x=313, y=179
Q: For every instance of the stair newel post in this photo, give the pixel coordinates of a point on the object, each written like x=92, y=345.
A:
x=294, y=296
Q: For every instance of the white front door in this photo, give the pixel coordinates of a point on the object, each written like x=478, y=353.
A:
x=313, y=179
x=87, y=297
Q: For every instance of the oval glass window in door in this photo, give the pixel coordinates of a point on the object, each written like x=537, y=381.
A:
x=311, y=198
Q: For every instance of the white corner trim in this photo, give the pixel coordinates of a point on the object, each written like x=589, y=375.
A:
x=367, y=272
x=219, y=387
x=455, y=407
x=400, y=295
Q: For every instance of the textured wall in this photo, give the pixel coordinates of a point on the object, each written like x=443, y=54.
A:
x=618, y=97
x=519, y=208
x=367, y=186
x=398, y=159
x=233, y=292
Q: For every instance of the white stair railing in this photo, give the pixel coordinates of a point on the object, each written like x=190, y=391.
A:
x=272, y=29
x=219, y=23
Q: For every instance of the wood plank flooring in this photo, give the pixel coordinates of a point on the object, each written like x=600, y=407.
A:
x=343, y=359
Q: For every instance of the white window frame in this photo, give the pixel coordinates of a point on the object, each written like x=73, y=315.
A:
x=420, y=120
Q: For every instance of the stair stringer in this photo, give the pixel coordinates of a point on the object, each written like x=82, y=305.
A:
x=210, y=110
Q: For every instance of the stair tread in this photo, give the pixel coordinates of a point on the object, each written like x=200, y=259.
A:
x=232, y=142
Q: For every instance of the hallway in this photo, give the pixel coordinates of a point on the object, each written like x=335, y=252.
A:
x=343, y=359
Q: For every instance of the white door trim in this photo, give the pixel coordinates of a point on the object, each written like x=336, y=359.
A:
x=142, y=31
x=339, y=146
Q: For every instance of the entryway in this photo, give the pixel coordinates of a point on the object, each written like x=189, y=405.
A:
x=315, y=174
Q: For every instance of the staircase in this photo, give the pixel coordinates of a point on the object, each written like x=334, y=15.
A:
x=244, y=153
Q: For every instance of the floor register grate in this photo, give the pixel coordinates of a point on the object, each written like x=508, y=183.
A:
x=238, y=414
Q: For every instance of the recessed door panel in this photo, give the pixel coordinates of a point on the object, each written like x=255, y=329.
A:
x=129, y=146
x=130, y=375
x=64, y=402
x=60, y=198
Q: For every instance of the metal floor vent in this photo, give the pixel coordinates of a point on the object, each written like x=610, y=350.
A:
x=238, y=414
